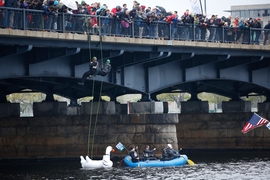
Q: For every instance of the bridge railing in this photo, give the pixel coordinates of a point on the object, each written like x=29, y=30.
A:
x=26, y=19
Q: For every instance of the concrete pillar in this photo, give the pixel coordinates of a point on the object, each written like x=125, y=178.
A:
x=49, y=109
x=9, y=109
x=165, y=107
x=146, y=107
x=73, y=110
x=236, y=106
x=97, y=108
x=194, y=107
x=120, y=108
x=264, y=107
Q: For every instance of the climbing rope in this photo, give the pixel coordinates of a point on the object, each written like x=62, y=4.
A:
x=100, y=91
x=93, y=89
x=93, y=86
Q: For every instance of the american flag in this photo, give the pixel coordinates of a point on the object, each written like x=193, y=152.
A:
x=254, y=122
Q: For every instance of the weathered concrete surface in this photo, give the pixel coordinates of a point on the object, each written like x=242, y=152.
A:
x=67, y=136
x=49, y=108
x=97, y=108
x=146, y=107
x=264, y=107
x=194, y=107
x=9, y=109
x=236, y=106
x=95, y=38
x=220, y=131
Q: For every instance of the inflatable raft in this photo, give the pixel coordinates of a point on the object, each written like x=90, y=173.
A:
x=156, y=163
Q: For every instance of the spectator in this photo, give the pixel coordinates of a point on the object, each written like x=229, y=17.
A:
x=266, y=32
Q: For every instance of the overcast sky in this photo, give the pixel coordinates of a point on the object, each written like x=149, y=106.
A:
x=212, y=6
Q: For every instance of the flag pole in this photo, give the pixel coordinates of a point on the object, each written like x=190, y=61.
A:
x=201, y=6
x=205, y=7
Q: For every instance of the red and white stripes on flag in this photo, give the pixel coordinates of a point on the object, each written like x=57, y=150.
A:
x=254, y=122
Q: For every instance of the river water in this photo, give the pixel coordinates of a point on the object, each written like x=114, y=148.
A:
x=239, y=166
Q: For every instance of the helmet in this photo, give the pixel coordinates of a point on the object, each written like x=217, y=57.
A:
x=118, y=8
x=108, y=61
x=94, y=58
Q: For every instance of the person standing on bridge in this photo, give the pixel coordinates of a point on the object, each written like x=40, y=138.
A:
x=105, y=69
x=266, y=32
x=93, y=66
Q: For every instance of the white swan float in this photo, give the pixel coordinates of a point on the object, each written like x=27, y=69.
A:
x=95, y=164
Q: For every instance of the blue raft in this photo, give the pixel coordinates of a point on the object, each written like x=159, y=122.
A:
x=157, y=163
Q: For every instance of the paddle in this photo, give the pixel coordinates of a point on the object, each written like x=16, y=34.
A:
x=190, y=162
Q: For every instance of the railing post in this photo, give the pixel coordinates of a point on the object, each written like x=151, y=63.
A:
x=223, y=34
x=132, y=29
x=170, y=31
x=250, y=35
x=63, y=23
x=24, y=16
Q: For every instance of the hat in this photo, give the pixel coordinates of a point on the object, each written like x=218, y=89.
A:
x=55, y=3
x=108, y=61
x=94, y=58
x=258, y=19
x=169, y=145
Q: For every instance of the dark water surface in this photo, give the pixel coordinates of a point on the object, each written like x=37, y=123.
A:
x=224, y=165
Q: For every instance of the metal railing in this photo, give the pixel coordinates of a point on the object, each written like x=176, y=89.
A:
x=37, y=20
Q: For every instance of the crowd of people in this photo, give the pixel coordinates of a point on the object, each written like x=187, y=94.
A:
x=168, y=153
x=140, y=21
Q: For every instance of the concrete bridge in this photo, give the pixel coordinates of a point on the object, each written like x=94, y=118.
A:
x=53, y=63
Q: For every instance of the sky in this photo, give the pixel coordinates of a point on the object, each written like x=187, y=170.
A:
x=212, y=6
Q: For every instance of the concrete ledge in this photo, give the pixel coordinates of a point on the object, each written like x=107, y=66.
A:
x=264, y=107
x=146, y=107
x=95, y=38
x=49, y=108
x=236, y=106
x=97, y=108
x=194, y=107
x=9, y=109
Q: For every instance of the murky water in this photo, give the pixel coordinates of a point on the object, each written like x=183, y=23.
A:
x=242, y=167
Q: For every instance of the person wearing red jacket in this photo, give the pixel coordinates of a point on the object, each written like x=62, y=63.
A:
x=117, y=22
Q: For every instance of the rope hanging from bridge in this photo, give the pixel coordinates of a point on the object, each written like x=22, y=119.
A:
x=93, y=86
x=100, y=91
x=93, y=89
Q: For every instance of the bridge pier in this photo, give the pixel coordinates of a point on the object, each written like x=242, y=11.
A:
x=194, y=107
x=9, y=109
x=264, y=107
x=101, y=107
x=236, y=106
x=146, y=107
x=50, y=109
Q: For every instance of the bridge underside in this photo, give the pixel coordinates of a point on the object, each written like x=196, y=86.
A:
x=55, y=66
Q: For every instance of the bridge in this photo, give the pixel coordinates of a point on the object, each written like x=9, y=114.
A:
x=53, y=63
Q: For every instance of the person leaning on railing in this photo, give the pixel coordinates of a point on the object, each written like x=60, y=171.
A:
x=266, y=32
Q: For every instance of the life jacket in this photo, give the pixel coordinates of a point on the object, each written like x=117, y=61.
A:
x=164, y=153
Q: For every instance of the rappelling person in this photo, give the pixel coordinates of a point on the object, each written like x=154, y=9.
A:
x=93, y=67
x=105, y=69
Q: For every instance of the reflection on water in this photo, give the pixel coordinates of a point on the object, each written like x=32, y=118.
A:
x=232, y=168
